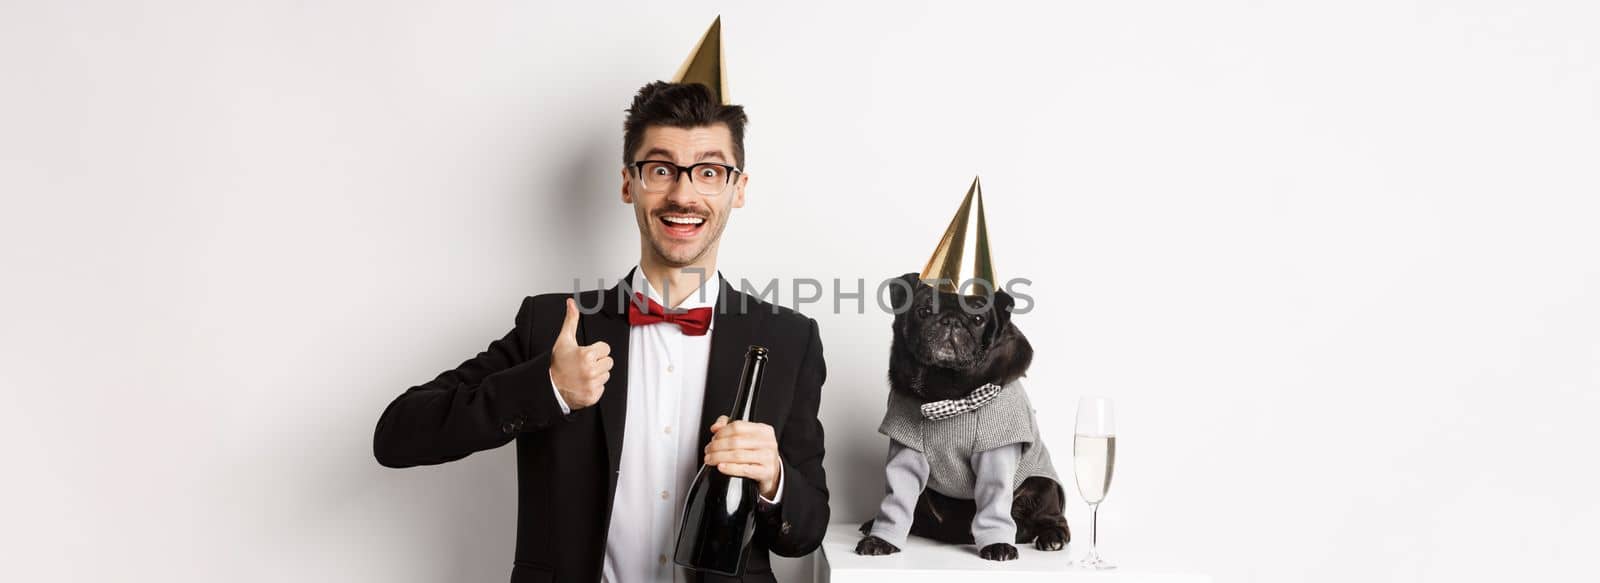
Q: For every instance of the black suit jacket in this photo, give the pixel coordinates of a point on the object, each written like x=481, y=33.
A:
x=567, y=465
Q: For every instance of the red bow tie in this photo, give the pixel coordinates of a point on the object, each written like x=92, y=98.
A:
x=694, y=322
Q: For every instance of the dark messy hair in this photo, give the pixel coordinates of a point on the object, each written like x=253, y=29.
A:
x=680, y=105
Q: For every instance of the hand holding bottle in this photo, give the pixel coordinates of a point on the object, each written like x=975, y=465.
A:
x=746, y=449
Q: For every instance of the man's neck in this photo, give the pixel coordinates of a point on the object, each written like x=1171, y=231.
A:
x=677, y=284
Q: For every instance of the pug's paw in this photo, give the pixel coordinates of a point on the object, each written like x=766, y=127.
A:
x=998, y=552
x=872, y=545
x=1053, y=539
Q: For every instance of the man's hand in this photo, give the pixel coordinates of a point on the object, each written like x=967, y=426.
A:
x=579, y=372
x=746, y=449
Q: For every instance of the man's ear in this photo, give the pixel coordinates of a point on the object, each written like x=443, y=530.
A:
x=627, y=196
x=738, y=190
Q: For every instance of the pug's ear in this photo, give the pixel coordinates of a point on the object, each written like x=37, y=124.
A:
x=901, y=292
x=1003, y=302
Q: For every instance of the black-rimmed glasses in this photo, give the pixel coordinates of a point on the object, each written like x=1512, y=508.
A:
x=708, y=178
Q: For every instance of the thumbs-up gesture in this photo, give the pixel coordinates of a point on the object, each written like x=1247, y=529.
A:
x=579, y=372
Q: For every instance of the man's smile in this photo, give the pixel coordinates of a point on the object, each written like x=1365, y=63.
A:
x=681, y=226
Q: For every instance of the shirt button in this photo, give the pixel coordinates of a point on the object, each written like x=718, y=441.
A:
x=661, y=559
x=670, y=368
x=667, y=430
x=663, y=494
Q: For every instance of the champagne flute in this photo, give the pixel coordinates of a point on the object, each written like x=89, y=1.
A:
x=1094, y=452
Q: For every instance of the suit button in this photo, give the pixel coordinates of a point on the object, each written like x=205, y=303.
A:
x=785, y=528
x=508, y=427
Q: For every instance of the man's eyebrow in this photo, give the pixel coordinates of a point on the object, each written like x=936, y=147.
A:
x=662, y=154
x=656, y=154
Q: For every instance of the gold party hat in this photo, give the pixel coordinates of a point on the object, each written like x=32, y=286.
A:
x=963, y=253
x=705, y=65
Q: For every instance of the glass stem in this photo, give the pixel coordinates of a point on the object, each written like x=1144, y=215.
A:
x=1094, y=530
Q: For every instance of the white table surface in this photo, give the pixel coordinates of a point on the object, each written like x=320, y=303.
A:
x=925, y=561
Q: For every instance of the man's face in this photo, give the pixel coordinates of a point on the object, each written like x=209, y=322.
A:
x=680, y=225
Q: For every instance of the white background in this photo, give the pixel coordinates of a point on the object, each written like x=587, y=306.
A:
x=1337, y=262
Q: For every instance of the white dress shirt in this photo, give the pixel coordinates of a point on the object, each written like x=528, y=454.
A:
x=660, y=443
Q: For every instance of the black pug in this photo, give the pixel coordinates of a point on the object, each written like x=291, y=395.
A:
x=941, y=351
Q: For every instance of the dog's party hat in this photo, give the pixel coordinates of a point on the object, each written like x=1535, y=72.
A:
x=962, y=262
x=705, y=65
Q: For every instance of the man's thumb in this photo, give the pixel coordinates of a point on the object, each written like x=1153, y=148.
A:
x=569, y=327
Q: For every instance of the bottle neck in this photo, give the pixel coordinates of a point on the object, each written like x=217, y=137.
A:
x=744, y=402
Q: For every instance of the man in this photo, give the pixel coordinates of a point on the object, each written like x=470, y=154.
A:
x=614, y=411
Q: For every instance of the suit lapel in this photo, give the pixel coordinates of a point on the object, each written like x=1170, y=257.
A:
x=610, y=325
x=731, y=335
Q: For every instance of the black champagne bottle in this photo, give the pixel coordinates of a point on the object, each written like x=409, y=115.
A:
x=719, y=515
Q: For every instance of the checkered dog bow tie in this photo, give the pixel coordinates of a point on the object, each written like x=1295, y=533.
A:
x=952, y=407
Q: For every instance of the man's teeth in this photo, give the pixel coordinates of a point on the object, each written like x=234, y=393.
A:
x=684, y=220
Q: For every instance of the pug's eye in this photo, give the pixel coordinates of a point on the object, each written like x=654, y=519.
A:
x=924, y=311
x=977, y=318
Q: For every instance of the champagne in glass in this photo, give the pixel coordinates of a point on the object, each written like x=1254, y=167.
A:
x=1092, y=459
x=1094, y=453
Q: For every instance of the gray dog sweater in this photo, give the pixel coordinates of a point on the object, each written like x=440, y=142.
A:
x=979, y=455
x=950, y=443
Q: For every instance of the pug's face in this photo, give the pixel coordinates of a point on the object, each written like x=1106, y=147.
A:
x=946, y=330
